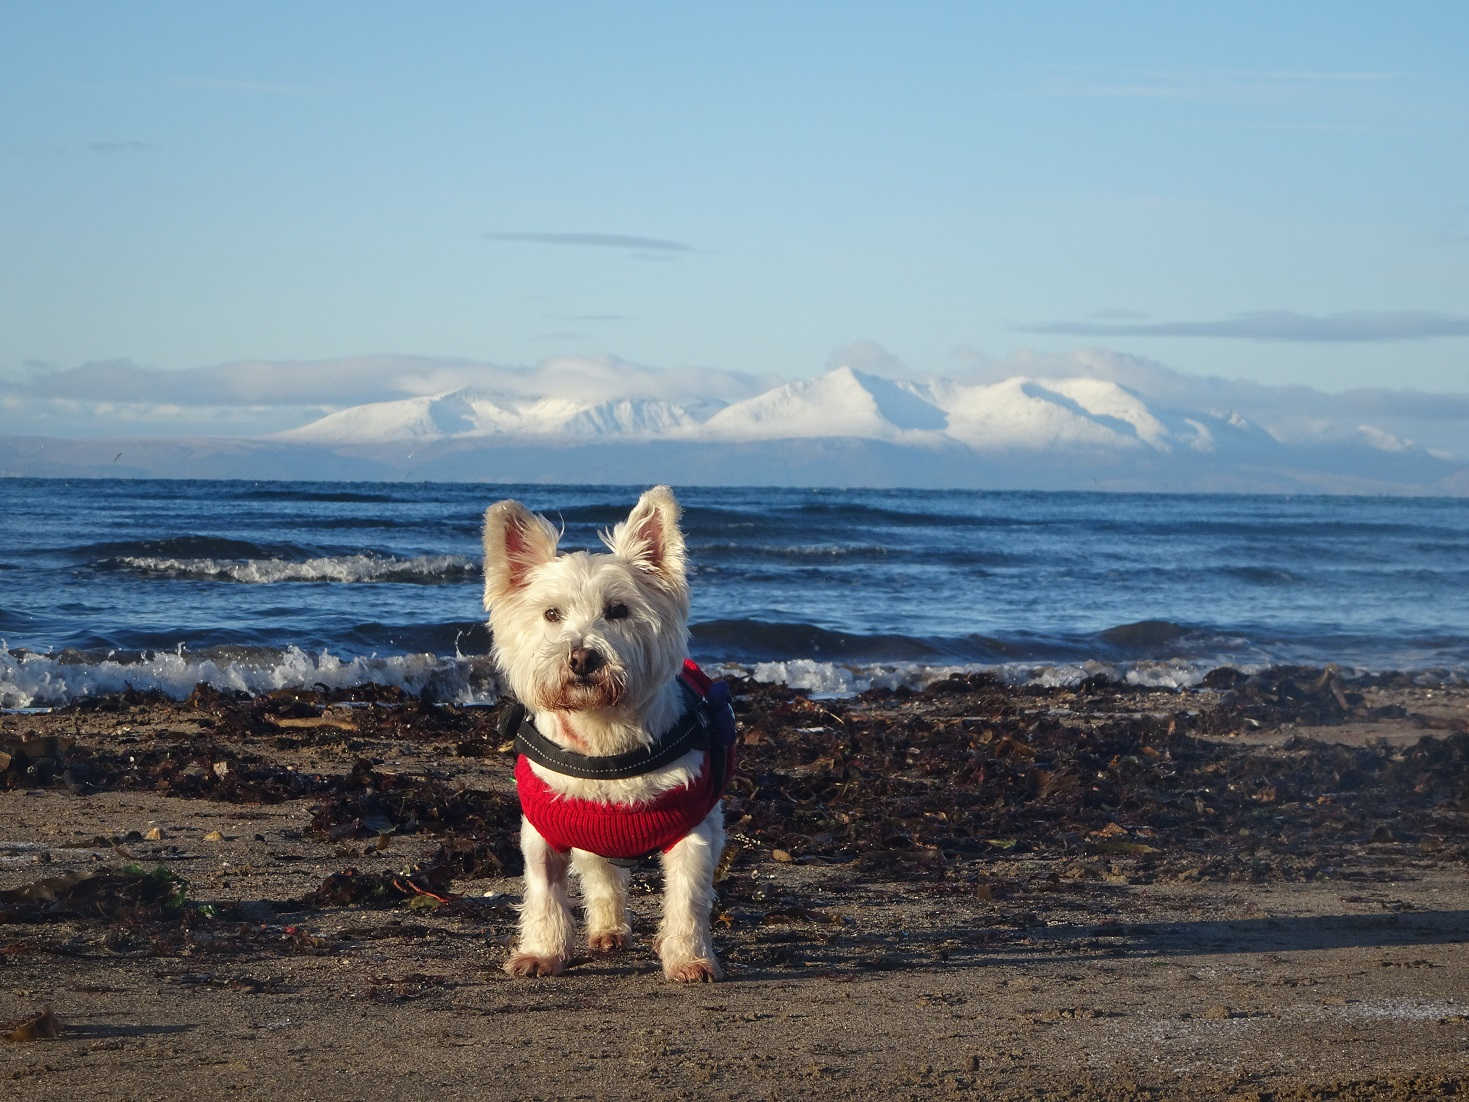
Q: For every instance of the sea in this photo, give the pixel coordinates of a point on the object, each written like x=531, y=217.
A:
x=109, y=585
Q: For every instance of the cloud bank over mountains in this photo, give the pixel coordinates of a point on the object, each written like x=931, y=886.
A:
x=1093, y=419
x=1277, y=325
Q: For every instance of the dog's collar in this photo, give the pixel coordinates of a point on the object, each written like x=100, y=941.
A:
x=691, y=732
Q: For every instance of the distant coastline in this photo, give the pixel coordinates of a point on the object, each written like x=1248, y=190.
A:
x=834, y=462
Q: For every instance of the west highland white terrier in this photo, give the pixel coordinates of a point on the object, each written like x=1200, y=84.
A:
x=624, y=746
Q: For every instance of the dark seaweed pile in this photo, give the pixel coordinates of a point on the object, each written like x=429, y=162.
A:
x=911, y=783
x=1119, y=783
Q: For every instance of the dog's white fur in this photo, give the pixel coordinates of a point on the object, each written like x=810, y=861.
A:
x=628, y=611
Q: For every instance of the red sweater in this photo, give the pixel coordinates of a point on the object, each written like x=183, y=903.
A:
x=614, y=830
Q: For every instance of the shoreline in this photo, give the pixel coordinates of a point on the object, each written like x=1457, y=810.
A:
x=1250, y=888
x=36, y=680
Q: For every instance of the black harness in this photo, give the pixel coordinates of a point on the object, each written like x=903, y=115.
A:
x=691, y=732
x=706, y=724
x=697, y=729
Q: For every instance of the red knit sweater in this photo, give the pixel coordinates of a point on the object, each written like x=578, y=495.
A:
x=615, y=830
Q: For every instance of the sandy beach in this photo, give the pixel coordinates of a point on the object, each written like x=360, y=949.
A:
x=1251, y=889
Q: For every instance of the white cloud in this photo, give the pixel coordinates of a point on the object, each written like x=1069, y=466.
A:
x=259, y=398
x=253, y=397
x=1352, y=326
x=1291, y=413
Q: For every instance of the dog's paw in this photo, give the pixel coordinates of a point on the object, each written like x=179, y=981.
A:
x=534, y=964
x=609, y=941
x=693, y=971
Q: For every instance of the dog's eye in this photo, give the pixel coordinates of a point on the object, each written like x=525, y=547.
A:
x=617, y=611
x=552, y=615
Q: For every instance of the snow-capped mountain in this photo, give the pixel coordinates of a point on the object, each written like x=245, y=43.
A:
x=471, y=413
x=1018, y=414
x=842, y=402
x=565, y=422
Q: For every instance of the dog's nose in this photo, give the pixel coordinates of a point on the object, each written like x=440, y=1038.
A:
x=584, y=661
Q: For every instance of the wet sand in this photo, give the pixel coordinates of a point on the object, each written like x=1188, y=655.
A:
x=1255, y=889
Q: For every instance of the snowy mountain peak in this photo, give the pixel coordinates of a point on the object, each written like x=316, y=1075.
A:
x=472, y=413
x=1024, y=413
x=843, y=402
x=1073, y=424
x=630, y=417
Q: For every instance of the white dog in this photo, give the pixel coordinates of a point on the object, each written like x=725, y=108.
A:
x=621, y=754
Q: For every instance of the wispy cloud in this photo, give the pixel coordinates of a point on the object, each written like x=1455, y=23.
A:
x=596, y=241
x=290, y=385
x=1356, y=326
x=1418, y=404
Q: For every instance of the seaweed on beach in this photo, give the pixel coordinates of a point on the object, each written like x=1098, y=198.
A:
x=1119, y=780
x=128, y=894
x=351, y=886
x=197, y=769
x=480, y=829
x=132, y=909
x=907, y=788
x=33, y=762
x=1289, y=694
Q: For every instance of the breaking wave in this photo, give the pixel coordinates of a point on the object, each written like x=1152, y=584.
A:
x=188, y=546
x=29, y=680
x=761, y=640
x=834, y=679
x=422, y=570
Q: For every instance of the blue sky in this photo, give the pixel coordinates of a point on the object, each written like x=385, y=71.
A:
x=1277, y=192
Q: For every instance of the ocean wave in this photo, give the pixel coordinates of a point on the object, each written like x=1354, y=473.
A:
x=835, y=679
x=754, y=640
x=1145, y=634
x=744, y=554
x=1268, y=576
x=861, y=513
x=30, y=680
x=454, y=637
x=422, y=570
x=182, y=547
x=725, y=554
x=287, y=493
x=761, y=640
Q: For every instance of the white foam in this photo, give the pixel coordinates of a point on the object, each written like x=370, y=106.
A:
x=1172, y=673
x=831, y=679
x=30, y=680
x=1064, y=676
x=822, y=678
x=329, y=568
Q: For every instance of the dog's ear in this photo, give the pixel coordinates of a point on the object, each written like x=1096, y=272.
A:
x=515, y=541
x=650, y=538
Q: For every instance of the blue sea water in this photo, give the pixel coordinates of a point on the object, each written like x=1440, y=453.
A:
x=257, y=585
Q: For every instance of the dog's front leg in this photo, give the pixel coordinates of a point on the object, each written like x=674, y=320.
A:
x=684, y=943
x=546, y=924
x=604, y=896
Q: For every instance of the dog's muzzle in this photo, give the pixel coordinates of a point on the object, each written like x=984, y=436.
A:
x=587, y=681
x=583, y=662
